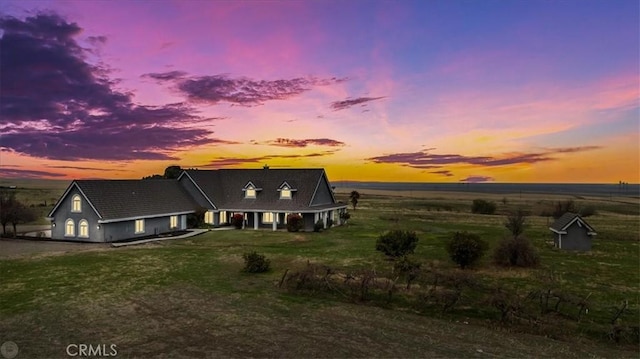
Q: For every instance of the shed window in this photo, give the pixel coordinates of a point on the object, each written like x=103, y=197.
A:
x=173, y=222
x=250, y=192
x=83, y=227
x=139, y=226
x=76, y=204
x=69, y=228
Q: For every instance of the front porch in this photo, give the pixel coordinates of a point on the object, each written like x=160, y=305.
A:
x=262, y=219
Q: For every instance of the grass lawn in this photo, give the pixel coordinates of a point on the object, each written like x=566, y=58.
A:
x=189, y=298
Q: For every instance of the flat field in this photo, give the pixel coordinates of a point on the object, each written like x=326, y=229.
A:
x=190, y=298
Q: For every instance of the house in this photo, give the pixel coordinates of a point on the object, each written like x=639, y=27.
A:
x=572, y=232
x=112, y=210
x=265, y=197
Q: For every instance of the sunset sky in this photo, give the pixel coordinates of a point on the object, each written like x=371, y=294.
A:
x=434, y=91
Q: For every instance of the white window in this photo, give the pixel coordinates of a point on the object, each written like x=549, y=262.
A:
x=76, y=204
x=69, y=228
x=83, y=228
x=173, y=222
x=285, y=193
x=223, y=217
x=267, y=217
x=250, y=192
x=139, y=226
x=208, y=217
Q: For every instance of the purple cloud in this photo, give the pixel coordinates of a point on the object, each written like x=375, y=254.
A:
x=240, y=91
x=18, y=173
x=288, y=142
x=341, y=105
x=445, y=173
x=56, y=105
x=426, y=160
x=232, y=161
x=477, y=179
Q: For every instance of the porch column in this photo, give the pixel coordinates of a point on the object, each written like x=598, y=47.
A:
x=274, y=224
x=255, y=220
x=244, y=220
x=315, y=217
x=325, y=215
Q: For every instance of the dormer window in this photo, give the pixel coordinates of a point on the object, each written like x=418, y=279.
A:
x=250, y=190
x=285, y=191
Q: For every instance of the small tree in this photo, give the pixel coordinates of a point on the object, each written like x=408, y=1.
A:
x=344, y=216
x=409, y=268
x=515, y=222
x=397, y=243
x=354, y=197
x=465, y=248
x=294, y=222
x=237, y=220
x=21, y=214
x=255, y=263
x=483, y=207
x=7, y=203
x=516, y=252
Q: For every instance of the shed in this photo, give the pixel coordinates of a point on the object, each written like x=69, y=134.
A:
x=571, y=232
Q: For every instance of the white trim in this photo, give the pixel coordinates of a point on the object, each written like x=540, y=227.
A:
x=64, y=195
x=143, y=217
x=184, y=173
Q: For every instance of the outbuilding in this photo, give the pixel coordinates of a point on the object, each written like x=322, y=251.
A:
x=571, y=232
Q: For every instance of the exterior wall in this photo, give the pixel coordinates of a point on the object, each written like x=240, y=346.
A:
x=323, y=194
x=124, y=230
x=308, y=222
x=193, y=191
x=63, y=212
x=576, y=239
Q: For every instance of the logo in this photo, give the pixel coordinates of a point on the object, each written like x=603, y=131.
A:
x=9, y=350
x=89, y=350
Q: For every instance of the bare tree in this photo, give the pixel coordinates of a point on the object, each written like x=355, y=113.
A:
x=515, y=222
x=354, y=197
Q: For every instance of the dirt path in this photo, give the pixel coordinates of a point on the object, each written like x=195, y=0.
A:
x=17, y=248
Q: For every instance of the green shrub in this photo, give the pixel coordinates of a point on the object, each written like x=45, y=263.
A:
x=255, y=263
x=483, y=207
x=516, y=252
x=408, y=268
x=587, y=211
x=465, y=248
x=397, y=243
x=294, y=222
x=329, y=222
x=196, y=220
x=237, y=220
x=344, y=216
x=318, y=226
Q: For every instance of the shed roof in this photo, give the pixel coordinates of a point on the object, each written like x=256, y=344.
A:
x=567, y=220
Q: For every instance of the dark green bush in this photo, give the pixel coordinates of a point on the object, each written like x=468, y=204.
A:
x=587, y=211
x=237, y=220
x=329, y=222
x=294, y=222
x=516, y=252
x=344, y=216
x=196, y=220
x=483, y=207
x=318, y=226
x=255, y=263
x=465, y=248
x=397, y=243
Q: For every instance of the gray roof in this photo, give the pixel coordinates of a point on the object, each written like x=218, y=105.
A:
x=224, y=187
x=116, y=199
x=566, y=220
